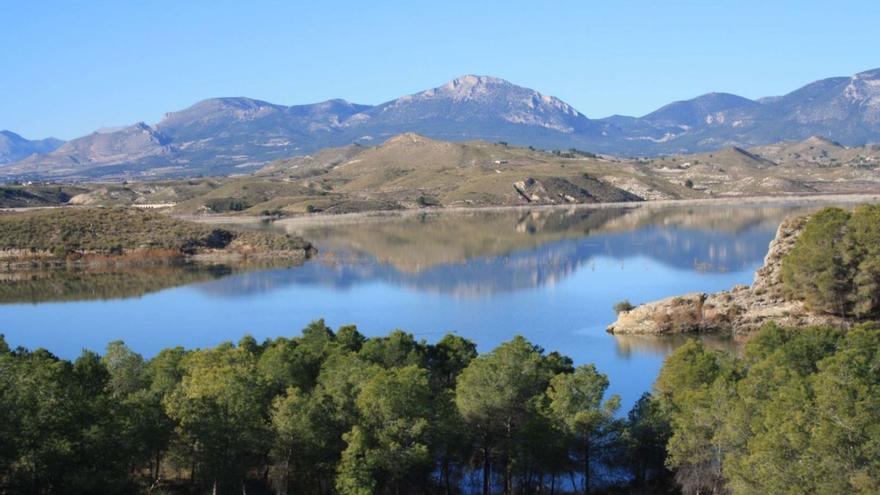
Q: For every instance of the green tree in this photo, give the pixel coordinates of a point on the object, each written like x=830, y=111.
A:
x=861, y=254
x=142, y=415
x=847, y=412
x=290, y=426
x=393, y=434
x=814, y=270
x=798, y=414
x=576, y=402
x=313, y=346
x=285, y=364
x=349, y=338
x=691, y=385
x=646, y=434
x=495, y=395
x=128, y=370
x=219, y=403
x=397, y=349
x=448, y=357
x=355, y=475
x=64, y=429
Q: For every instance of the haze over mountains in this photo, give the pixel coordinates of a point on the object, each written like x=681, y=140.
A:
x=239, y=135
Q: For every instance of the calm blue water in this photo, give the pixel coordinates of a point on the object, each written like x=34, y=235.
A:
x=554, y=282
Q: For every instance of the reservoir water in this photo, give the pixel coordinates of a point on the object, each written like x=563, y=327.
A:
x=551, y=275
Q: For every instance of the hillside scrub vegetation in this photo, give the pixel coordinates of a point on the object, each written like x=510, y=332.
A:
x=118, y=231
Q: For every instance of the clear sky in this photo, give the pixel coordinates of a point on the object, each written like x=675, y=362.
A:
x=69, y=67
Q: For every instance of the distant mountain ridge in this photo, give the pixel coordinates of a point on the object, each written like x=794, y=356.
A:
x=221, y=136
x=14, y=147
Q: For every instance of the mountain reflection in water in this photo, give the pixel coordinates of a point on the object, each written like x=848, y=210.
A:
x=475, y=254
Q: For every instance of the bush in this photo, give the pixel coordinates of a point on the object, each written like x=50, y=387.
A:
x=222, y=205
x=621, y=306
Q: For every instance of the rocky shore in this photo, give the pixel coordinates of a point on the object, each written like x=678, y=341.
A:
x=741, y=310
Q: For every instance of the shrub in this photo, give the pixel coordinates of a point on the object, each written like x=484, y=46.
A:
x=621, y=306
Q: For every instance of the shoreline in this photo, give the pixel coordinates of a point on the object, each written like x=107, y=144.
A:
x=12, y=261
x=317, y=219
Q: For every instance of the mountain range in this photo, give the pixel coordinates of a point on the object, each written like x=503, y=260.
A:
x=14, y=147
x=222, y=136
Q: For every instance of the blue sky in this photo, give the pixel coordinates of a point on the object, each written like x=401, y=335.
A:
x=67, y=68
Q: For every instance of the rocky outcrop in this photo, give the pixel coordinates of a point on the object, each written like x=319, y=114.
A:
x=741, y=310
x=558, y=190
x=553, y=192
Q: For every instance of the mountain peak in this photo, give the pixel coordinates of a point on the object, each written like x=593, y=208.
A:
x=467, y=87
x=213, y=109
x=10, y=134
x=868, y=74
x=472, y=80
x=14, y=147
x=694, y=110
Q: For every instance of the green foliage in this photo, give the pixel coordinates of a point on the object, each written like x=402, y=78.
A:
x=494, y=391
x=324, y=412
x=61, y=431
x=814, y=269
x=576, y=404
x=225, y=205
x=290, y=424
x=397, y=349
x=349, y=338
x=621, y=306
x=645, y=440
x=219, y=404
x=834, y=266
x=797, y=414
x=861, y=253
x=391, y=440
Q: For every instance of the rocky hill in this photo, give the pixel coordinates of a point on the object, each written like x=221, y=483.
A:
x=222, y=136
x=412, y=171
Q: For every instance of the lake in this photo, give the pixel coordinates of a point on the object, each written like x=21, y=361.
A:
x=549, y=274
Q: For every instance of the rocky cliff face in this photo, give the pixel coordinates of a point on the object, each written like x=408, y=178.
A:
x=741, y=310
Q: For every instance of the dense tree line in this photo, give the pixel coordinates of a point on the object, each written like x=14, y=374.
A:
x=336, y=413
x=834, y=266
x=326, y=412
x=798, y=413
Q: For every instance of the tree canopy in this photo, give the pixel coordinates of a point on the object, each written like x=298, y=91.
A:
x=337, y=413
x=834, y=266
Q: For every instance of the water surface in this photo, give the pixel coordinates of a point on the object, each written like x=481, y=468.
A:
x=551, y=275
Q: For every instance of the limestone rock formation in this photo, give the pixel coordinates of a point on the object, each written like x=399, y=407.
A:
x=741, y=310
